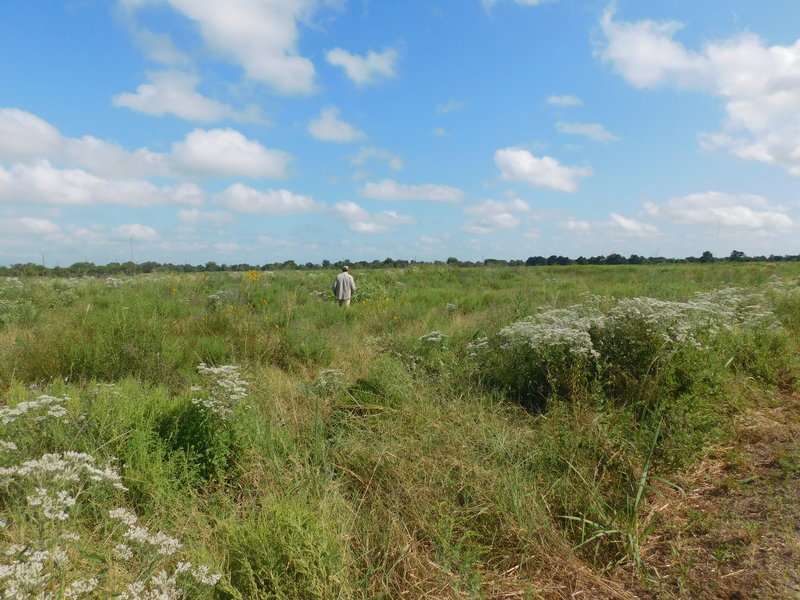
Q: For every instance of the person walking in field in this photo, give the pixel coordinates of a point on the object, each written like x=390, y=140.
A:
x=343, y=287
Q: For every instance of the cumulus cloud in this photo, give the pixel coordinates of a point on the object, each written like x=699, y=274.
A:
x=389, y=190
x=259, y=35
x=594, y=131
x=758, y=84
x=24, y=135
x=564, y=100
x=174, y=92
x=160, y=48
x=361, y=221
x=42, y=183
x=27, y=226
x=490, y=207
x=136, y=231
x=492, y=216
x=491, y=223
x=517, y=164
x=364, y=70
x=575, y=225
x=740, y=211
x=368, y=153
x=632, y=227
x=244, y=199
x=228, y=152
x=329, y=128
x=195, y=216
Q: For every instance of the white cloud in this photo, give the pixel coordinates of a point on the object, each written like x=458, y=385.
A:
x=174, y=92
x=449, y=107
x=564, y=100
x=633, y=227
x=361, y=221
x=358, y=219
x=227, y=152
x=517, y=164
x=226, y=246
x=329, y=128
x=440, y=132
x=41, y=183
x=575, y=225
x=493, y=215
x=259, y=35
x=195, y=216
x=594, y=131
x=490, y=207
x=160, y=48
x=759, y=85
x=491, y=223
x=268, y=241
x=244, y=199
x=106, y=159
x=368, y=153
x=136, y=231
x=28, y=226
x=390, y=190
x=741, y=211
x=364, y=70
x=24, y=135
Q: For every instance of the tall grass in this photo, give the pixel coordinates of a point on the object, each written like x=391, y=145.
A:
x=455, y=433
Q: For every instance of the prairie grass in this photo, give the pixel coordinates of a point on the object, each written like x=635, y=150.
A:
x=496, y=432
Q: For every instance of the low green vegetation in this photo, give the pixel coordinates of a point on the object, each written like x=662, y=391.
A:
x=456, y=433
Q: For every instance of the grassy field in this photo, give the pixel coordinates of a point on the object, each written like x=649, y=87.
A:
x=457, y=433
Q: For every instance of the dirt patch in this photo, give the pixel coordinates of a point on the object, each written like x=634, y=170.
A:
x=734, y=534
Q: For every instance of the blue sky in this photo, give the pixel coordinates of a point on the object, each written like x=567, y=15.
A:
x=266, y=130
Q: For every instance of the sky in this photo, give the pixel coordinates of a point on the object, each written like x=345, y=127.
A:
x=256, y=131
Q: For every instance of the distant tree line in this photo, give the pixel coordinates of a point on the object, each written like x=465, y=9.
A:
x=132, y=268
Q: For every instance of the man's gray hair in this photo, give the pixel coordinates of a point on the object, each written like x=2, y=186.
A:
x=345, y=268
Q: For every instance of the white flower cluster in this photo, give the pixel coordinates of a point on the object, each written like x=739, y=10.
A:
x=6, y=446
x=225, y=386
x=49, y=405
x=29, y=571
x=61, y=468
x=54, y=504
x=548, y=337
x=692, y=322
x=784, y=286
x=433, y=337
x=161, y=542
x=162, y=585
x=113, y=282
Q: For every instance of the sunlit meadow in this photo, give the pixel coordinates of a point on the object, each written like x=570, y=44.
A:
x=456, y=433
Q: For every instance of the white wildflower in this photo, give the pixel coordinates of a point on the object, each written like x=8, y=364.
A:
x=6, y=446
x=79, y=587
x=433, y=337
x=226, y=389
x=203, y=575
x=122, y=552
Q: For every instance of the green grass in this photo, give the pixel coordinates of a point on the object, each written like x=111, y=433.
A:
x=421, y=469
